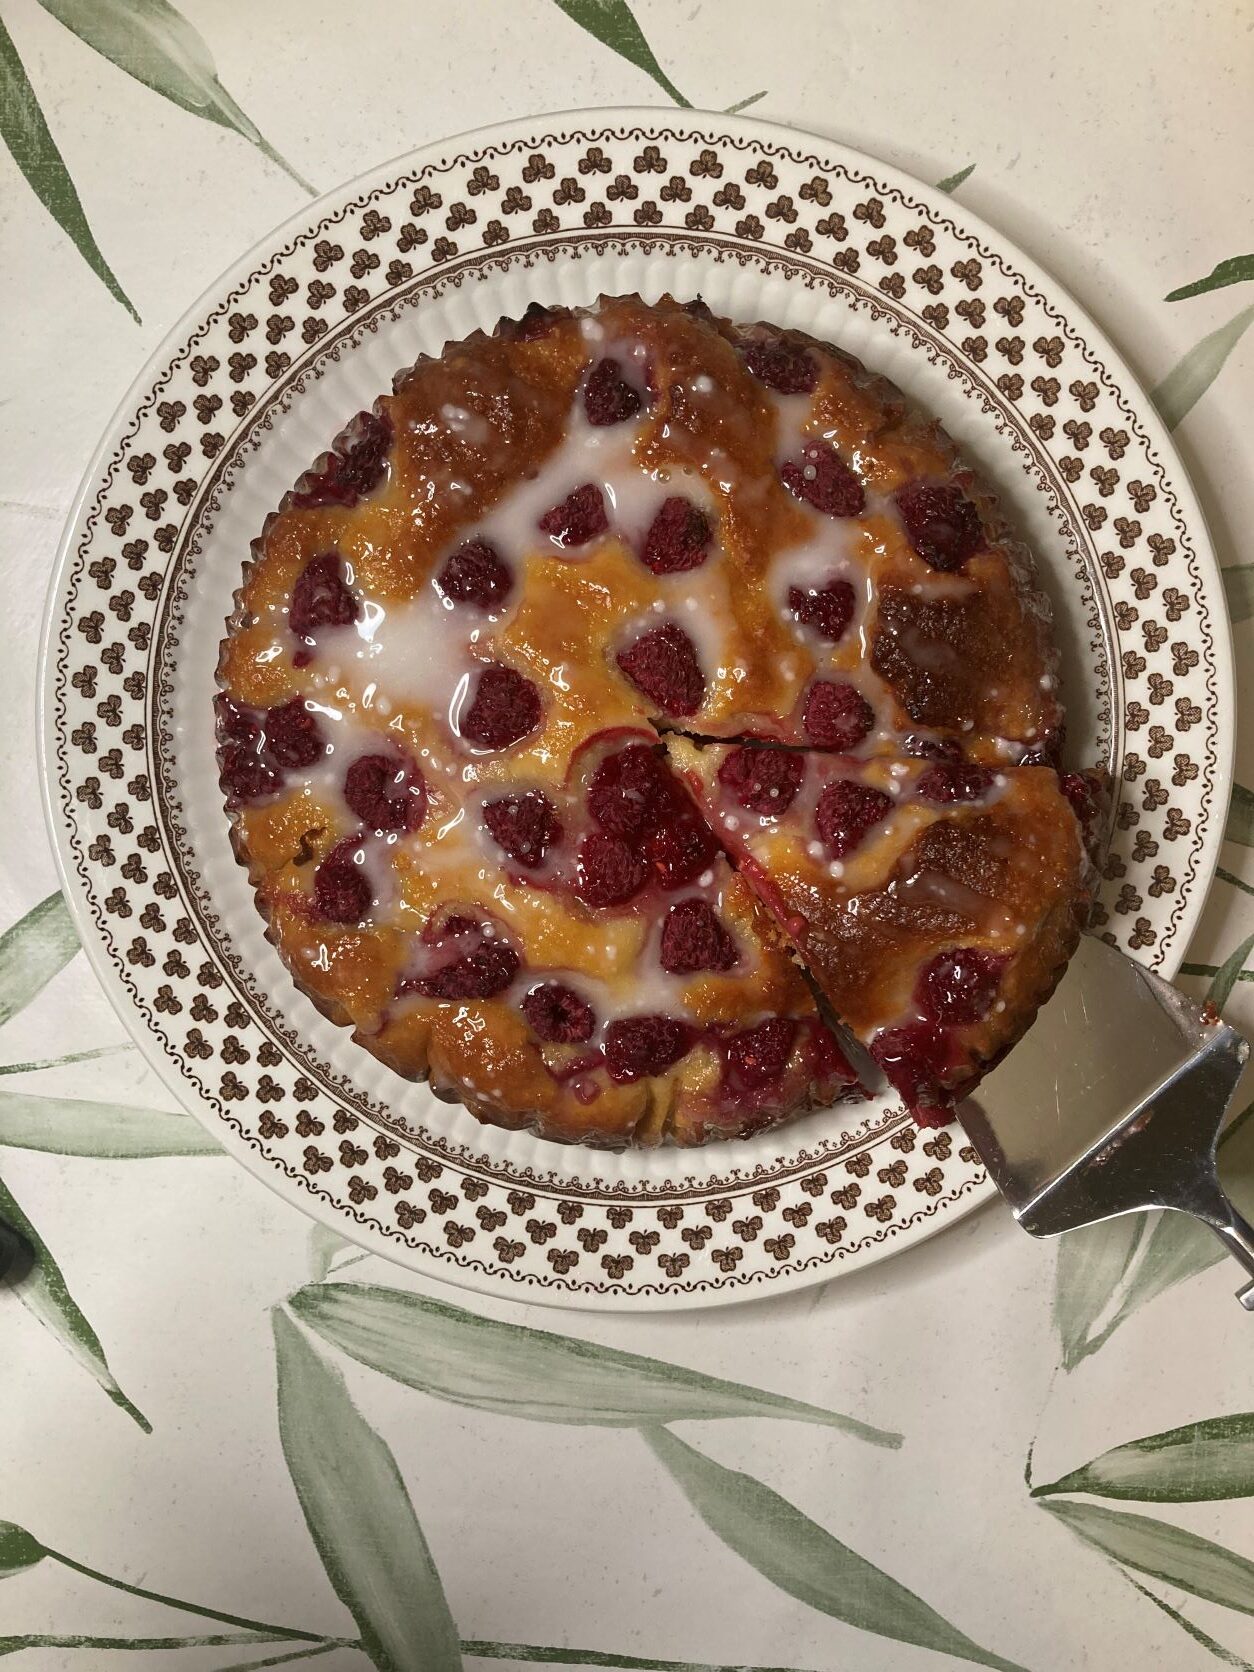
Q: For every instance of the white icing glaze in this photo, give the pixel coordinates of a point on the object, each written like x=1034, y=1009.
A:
x=603, y=455
x=829, y=553
x=347, y=738
x=418, y=652
x=699, y=603
x=792, y=424
x=470, y=426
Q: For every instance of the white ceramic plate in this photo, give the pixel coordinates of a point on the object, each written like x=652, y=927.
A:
x=766, y=223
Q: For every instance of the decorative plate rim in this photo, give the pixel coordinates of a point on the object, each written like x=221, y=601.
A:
x=708, y=128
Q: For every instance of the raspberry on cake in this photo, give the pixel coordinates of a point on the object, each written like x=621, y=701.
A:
x=476, y=641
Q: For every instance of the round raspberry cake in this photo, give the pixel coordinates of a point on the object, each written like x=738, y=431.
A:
x=629, y=692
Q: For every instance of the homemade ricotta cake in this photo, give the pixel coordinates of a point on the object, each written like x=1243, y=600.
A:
x=630, y=691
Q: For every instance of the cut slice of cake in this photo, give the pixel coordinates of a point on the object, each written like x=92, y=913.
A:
x=934, y=902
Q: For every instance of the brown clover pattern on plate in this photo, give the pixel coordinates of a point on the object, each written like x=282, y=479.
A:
x=739, y=197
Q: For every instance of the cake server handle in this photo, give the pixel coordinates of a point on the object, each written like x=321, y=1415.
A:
x=1210, y=1205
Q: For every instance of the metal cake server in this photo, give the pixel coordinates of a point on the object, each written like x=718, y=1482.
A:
x=1112, y=1103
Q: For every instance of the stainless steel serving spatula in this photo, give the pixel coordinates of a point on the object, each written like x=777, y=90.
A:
x=1112, y=1103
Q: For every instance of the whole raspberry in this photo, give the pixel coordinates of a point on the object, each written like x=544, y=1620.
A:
x=941, y=524
x=321, y=597
x=386, y=793
x=826, y=610
x=760, y=1054
x=950, y=781
x=475, y=574
x=244, y=775
x=242, y=772
x=846, y=811
x=782, y=365
x=828, y=1063
x=523, y=826
x=836, y=715
x=354, y=469
x=624, y=794
x=678, y=538
x=681, y=846
x=480, y=974
x=293, y=735
x=506, y=706
x=694, y=939
x=457, y=926
x=663, y=664
x=579, y=518
x=822, y=478
x=642, y=1045
x=557, y=1015
x=342, y=891
x=915, y=1058
x=608, y=398
x=766, y=781
x=958, y=987
x=234, y=722
x=610, y=873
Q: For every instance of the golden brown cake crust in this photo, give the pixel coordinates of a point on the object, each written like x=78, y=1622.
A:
x=462, y=634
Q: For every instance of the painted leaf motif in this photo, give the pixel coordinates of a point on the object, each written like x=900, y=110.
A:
x=1176, y=1248
x=516, y=1371
x=613, y=23
x=12, y=1251
x=35, y=949
x=1225, y=977
x=42, y=1289
x=552, y=1655
x=1192, y=375
x=19, y=1549
x=45, y=1640
x=1234, y=270
x=804, y=1559
x=951, y=182
x=1239, y=593
x=324, y=1245
x=1165, y=1552
x=289, y=1657
x=1091, y=1265
x=359, y=1515
x=156, y=44
x=24, y=131
x=1240, y=826
x=1194, y=1631
x=114, y=1131
x=38, y=1064
x=1196, y=1463
x=1234, y=881
x=1210, y=970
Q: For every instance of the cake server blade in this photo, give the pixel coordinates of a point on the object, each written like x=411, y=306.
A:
x=1113, y=1103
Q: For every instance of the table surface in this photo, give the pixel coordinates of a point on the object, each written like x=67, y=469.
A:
x=1113, y=144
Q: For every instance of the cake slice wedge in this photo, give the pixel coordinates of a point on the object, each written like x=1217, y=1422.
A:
x=934, y=902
